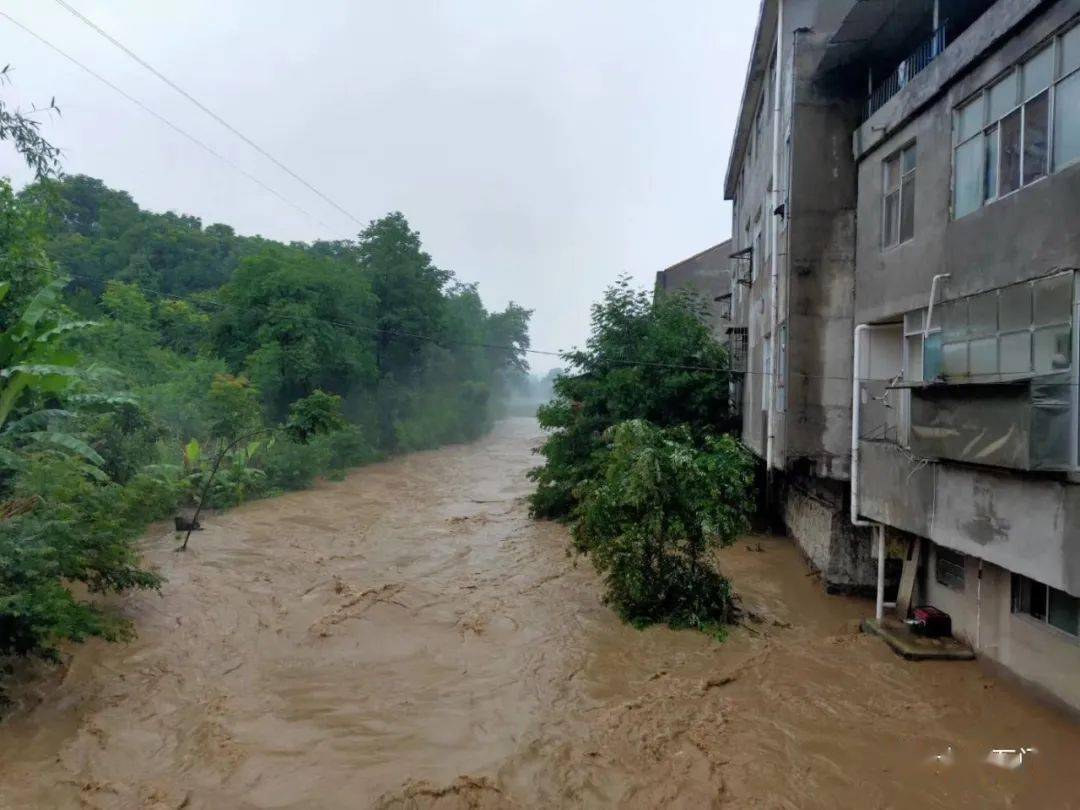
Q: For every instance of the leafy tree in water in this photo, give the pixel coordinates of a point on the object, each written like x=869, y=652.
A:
x=648, y=360
x=664, y=501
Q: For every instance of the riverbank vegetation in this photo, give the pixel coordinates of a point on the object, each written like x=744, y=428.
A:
x=136, y=346
x=638, y=458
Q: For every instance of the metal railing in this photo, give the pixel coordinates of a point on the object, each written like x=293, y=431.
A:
x=737, y=349
x=914, y=64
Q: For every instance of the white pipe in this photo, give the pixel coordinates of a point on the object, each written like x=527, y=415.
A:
x=774, y=271
x=856, y=413
x=879, y=611
x=978, y=608
x=933, y=297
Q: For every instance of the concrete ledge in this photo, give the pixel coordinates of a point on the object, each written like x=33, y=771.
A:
x=915, y=647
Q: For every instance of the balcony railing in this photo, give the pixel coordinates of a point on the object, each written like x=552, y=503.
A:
x=737, y=348
x=898, y=79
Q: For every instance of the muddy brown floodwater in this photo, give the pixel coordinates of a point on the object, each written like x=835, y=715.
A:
x=408, y=638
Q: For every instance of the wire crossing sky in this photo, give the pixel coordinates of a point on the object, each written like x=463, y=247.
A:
x=541, y=147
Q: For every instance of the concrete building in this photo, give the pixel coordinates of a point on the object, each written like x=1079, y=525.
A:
x=906, y=186
x=967, y=249
x=791, y=178
x=708, y=274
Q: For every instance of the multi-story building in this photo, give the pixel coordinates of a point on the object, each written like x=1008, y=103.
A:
x=906, y=188
x=791, y=177
x=966, y=307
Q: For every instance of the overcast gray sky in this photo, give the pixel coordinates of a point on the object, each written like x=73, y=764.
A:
x=541, y=147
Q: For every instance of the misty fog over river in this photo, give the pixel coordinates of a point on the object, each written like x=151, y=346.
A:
x=410, y=638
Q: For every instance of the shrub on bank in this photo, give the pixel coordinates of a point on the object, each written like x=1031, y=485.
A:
x=651, y=520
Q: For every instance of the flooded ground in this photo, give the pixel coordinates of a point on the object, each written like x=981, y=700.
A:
x=408, y=638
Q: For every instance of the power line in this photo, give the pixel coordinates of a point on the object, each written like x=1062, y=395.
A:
x=138, y=59
x=441, y=341
x=205, y=147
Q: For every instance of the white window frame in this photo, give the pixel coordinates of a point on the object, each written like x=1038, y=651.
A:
x=992, y=128
x=892, y=240
x=1017, y=610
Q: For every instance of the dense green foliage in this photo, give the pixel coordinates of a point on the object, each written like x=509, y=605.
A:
x=636, y=459
x=643, y=360
x=138, y=351
x=661, y=505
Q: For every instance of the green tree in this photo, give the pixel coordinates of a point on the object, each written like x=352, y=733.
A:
x=648, y=360
x=293, y=322
x=408, y=292
x=663, y=502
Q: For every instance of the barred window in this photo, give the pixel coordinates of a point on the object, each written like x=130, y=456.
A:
x=949, y=568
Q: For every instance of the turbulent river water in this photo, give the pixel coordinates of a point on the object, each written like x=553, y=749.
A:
x=409, y=638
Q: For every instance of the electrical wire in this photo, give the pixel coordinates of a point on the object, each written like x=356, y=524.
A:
x=143, y=63
x=202, y=145
x=442, y=341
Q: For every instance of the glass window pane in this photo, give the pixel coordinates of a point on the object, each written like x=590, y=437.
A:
x=969, y=176
x=1002, y=97
x=991, y=165
x=1053, y=299
x=970, y=119
x=1053, y=349
x=914, y=370
x=952, y=317
x=1064, y=612
x=891, y=220
x=1036, y=137
x=983, y=314
x=908, y=159
x=932, y=366
x=1067, y=120
x=907, y=208
x=1034, y=599
x=913, y=322
x=954, y=359
x=984, y=357
x=1015, y=351
x=1070, y=51
x=1015, y=307
x=1038, y=71
x=892, y=173
x=1009, y=163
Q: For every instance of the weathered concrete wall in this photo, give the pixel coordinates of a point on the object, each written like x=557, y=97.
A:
x=708, y=274
x=1035, y=652
x=815, y=517
x=822, y=269
x=1023, y=236
x=1025, y=523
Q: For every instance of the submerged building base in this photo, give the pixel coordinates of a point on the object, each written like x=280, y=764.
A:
x=914, y=647
x=815, y=515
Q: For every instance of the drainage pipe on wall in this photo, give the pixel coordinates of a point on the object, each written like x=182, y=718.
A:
x=774, y=269
x=856, y=414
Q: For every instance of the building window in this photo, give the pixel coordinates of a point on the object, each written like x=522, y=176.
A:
x=1016, y=331
x=898, y=221
x=766, y=377
x=1046, y=604
x=781, y=371
x=1005, y=137
x=949, y=568
x=757, y=265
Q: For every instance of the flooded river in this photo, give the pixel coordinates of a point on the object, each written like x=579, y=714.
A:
x=408, y=638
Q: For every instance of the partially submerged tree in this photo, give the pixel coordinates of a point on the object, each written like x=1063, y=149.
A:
x=648, y=360
x=651, y=520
